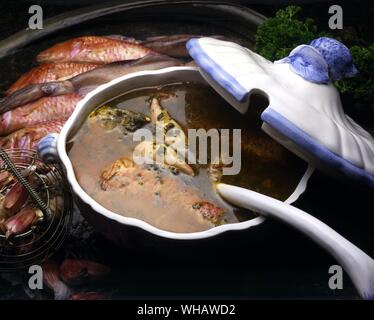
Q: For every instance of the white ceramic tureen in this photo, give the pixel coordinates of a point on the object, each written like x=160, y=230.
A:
x=304, y=114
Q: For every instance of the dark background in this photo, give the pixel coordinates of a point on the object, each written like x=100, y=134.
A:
x=269, y=261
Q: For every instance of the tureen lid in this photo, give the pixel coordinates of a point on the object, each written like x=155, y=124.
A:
x=305, y=113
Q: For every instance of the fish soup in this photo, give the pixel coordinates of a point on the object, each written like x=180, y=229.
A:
x=175, y=197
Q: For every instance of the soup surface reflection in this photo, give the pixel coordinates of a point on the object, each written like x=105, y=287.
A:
x=181, y=202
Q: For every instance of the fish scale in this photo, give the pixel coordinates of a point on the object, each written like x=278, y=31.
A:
x=41, y=111
x=85, y=82
x=47, y=72
x=27, y=138
x=93, y=49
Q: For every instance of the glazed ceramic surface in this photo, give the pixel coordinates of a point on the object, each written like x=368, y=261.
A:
x=358, y=265
x=305, y=113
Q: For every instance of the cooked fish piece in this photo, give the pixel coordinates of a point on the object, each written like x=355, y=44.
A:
x=173, y=134
x=43, y=110
x=124, y=120
x=48, y=72
x=161, y=154
x=160, y=191
x=172, y=131
x=93, y=49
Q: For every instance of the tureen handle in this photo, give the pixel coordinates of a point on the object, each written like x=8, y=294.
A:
x=358, y=265
x=47, y=148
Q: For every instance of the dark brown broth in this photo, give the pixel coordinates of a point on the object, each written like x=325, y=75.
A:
x=266, y=166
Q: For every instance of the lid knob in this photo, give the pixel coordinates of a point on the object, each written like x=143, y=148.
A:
x=305, y=113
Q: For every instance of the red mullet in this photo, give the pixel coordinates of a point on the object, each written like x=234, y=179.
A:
x=48, y=72
x=27, y=138
x=43, y=110
x=76, y=272
x=85, y=82
x=93, y=49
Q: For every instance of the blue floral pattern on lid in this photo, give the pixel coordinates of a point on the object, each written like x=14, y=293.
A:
x=337, y=56
x=300, y=91
x=308, y=63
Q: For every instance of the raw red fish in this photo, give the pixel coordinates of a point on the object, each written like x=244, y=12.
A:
x=171, y=45
x=40, y=111
x=91, y=295
x=76, y=272
x=93, y=49
x=52, y=280
x=27, y=138
x=47, y=72
x=85, y=82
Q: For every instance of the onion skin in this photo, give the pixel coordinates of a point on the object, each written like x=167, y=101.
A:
x=15, y=198
x=20, y=222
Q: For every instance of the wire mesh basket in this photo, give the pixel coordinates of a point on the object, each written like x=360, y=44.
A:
x=44, y=237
